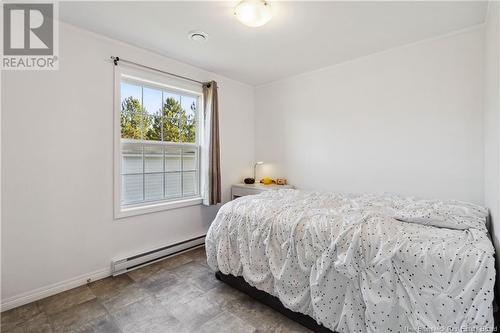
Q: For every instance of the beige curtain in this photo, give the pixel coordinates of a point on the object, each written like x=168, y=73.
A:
x=212, y=186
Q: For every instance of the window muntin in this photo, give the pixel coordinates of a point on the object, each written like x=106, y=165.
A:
x=159, y=144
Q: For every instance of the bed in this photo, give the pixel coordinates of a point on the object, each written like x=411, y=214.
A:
x=360, y=263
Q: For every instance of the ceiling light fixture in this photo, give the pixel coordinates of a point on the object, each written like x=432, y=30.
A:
x=197, y=36
x=253, y=13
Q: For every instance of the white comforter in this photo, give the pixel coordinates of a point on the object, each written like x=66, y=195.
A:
x=347, y=262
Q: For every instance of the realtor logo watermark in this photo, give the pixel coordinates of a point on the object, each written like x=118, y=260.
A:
x=30, y=36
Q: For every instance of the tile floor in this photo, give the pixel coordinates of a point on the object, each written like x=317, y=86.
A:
x=179, y=294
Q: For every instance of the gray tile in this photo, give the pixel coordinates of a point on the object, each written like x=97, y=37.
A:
x=117, y=292
x=256, y=314
x=159, y=281
x=289, y=326
x=124, y=297
x=226, y=323
x=197, y=254
x=65, y=300
x=17, y=316
x=103, y=324
x=198, y=274
x=204, y=263
x=180, y=292
x=78, y=317
x=223, y=294
x=146, y=316
x=110, y=286
x=37, y=324
x=205, y=280
x=190, y=270
x=196, y=312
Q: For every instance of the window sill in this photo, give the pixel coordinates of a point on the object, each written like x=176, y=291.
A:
x=156, y=207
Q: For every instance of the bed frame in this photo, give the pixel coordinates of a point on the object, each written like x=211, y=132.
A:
x=239, y=283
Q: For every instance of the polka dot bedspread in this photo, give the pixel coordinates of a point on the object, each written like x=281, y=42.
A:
x=361, y=263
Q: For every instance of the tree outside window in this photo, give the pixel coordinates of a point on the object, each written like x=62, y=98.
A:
x=172, y=123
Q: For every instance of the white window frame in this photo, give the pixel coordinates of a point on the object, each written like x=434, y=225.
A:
x=152, y=79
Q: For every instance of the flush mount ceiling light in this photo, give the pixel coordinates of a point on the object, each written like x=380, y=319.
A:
x=253, y=13
x=198, y=36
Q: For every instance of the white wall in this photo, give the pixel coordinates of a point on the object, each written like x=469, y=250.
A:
x=408, y=120
x=57, y=167
x=492, y=119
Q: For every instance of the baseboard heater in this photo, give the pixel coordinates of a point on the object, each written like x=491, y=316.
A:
x=125, y=265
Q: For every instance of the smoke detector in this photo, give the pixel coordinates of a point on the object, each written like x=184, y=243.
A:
x=198, y=36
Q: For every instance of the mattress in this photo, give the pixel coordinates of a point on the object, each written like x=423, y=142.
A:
x=361, y=263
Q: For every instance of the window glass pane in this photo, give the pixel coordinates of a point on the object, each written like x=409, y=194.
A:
x=172, y=106
x=187, y=130
x=153, y=187
x=132, y=126
x=189, y=183
x=173, y=185
x=131, y=90
x=152, y=102
x=188, y=103
x=153, y=158
x=172, y=159
x=171, y=130
x=171, y=112
x=187, y=119
x=154, y=127
x=189, y=159
x=132, y=188
x=131, y=158
x=171, y=98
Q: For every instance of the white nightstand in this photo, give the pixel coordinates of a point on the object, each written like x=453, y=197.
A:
x=240, y=190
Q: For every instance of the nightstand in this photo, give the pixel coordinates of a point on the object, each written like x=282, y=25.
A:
x=240, y=190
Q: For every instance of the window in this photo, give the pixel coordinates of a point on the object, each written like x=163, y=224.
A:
x=159, y=146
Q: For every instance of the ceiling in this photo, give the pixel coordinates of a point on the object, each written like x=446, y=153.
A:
x=302, y=36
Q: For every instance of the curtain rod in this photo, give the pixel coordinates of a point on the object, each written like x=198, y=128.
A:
x=117, y=59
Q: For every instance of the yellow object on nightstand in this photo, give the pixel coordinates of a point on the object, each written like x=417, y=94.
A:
x=266, y=181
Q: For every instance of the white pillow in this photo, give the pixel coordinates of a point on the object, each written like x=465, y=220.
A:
x=445, y=214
